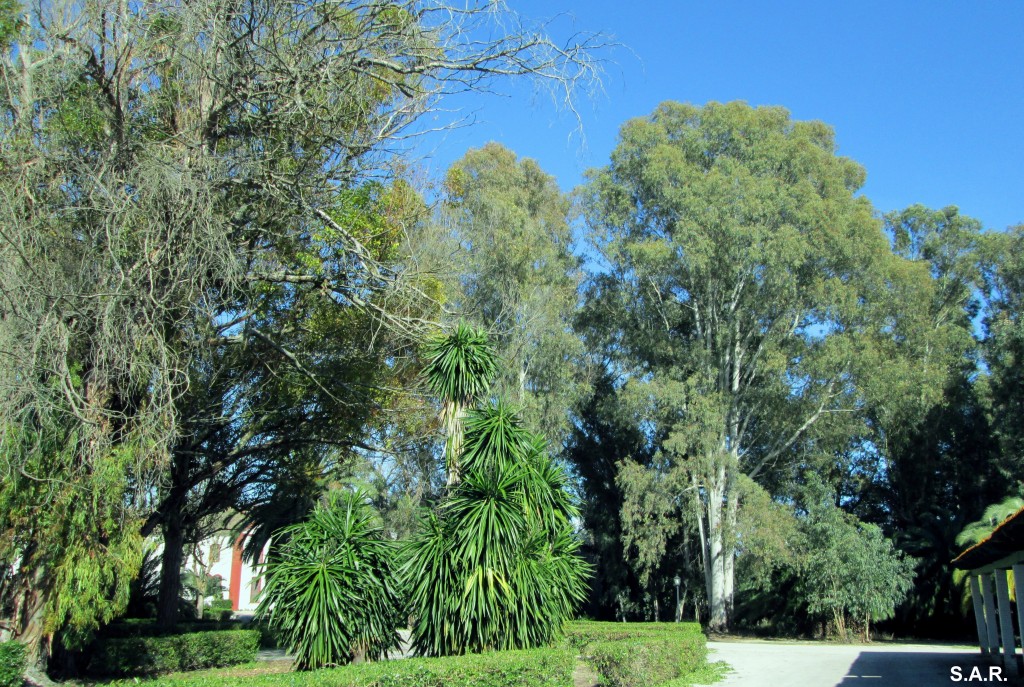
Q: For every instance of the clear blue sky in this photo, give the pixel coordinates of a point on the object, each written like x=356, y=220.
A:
x=927, y=96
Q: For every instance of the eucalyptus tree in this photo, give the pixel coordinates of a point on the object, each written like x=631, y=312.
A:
x=177, y=176
x=738, y=265
x=1004, y=344
x=506, y=236
x=924, y=408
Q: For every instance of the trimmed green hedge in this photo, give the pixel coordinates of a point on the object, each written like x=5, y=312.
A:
x=12, y=663
x=149, y=628
x=549, y=667
x=194, y=651
x=639, y=654
x=624, y=655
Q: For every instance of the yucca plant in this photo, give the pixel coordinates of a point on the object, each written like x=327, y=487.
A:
x=460, y=368
x=331, y=585
x=497, y=566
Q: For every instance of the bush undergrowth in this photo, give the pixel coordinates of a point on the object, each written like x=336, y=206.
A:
x=128, y=656
x=12, y=663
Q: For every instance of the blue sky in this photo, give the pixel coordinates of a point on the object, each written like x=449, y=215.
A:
x=927, y=96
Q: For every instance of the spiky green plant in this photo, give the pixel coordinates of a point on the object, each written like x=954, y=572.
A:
x=460, y=368
x=498, y=565
x=331, y=586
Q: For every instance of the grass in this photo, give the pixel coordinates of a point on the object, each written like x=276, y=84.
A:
x=708, y=674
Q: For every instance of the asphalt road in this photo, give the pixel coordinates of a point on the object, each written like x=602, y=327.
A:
x=786, y=664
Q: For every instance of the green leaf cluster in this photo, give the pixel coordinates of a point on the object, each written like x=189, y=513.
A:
x=497, y=566
x=12, y=663
x=132, y=656
x=331, y=591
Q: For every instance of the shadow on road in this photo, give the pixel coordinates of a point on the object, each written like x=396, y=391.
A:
x=897, y=668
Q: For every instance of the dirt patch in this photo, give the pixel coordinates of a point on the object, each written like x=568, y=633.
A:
x=584, y=676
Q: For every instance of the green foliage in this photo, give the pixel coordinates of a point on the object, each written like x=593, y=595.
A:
x=497, y=566
x=197, y=320
x=739, y=266
x=330, y=585
x=639, y=654
x=1004, y=344
x=82, y=590
x=192, y=651
x=545, y=667
x=12, y=663
x=849, y=569
x=510, y=267
x=640, y=662
x=579, y=633
x=461, y=364
x=149, y=628
x=630, y=653
x=10, y=22
x=217, y=614
x=993, y=516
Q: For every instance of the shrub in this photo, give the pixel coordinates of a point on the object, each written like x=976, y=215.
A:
x=149, y=628
x=270, y=638
x=639, y=654
x=194, y=651
x=219, y=610
x=12, y=663
x=546, y=667
x=331, y=589
x=497, y=566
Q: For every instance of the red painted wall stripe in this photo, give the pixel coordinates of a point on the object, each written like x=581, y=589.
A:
x=235, y=586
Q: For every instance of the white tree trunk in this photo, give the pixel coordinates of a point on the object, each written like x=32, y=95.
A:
x=717, y=554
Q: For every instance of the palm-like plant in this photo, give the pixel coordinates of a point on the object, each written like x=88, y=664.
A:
x=497, y=567
x=460, y=368
x=331, y=586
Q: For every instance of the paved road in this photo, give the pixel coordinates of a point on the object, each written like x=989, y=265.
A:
x=784, y=664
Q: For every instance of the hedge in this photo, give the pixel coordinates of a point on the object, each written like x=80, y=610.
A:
x=639, y=654
x=149, y=628
x=193, y=651
x=624, y=654
x=12, y=663
x=547, y=667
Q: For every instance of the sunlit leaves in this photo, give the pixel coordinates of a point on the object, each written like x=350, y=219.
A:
x=497, y=565
x=461, y=364
x=331, y=587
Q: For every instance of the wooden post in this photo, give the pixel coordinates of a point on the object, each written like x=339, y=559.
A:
x=979, y=615
x=1018, y=586
x=1006, y=620
x=990, y=612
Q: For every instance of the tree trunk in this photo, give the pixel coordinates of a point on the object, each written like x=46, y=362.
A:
x=716, y=584
x=29, y=614
x=171, y=560
x=453, y=415
x=731, y=510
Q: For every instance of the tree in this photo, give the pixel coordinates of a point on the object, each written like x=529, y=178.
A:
x=1004, y=345
x=461, y=365
x=177, y=176
x=923, y=418
x=737, y=262
x=331, y=586
x=508, y=245
x=849, y=569
x=495, y=566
